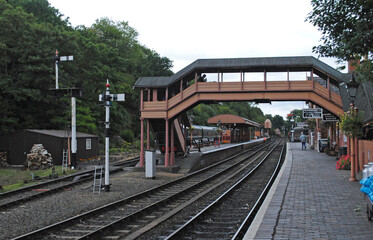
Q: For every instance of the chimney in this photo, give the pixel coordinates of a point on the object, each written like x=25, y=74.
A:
x=353, y=64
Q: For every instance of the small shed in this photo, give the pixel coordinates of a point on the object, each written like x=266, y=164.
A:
x=18, y=144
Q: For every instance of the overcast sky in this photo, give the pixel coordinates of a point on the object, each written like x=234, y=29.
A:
x=188, y=30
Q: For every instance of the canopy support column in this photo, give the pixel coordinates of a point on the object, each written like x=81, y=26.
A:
x=172, y=144
x=142, y=163
x=167, y=153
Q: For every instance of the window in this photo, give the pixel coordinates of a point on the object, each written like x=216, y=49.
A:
x=88, y=144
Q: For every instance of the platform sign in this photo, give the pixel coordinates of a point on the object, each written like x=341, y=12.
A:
x=328, y=117
x=312, y=113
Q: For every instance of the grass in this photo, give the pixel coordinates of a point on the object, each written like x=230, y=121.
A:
x=14, y=178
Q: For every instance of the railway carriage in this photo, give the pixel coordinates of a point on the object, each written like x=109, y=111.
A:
x=203, y=135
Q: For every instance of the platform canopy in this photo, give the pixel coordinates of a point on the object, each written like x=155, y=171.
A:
x=231, y=119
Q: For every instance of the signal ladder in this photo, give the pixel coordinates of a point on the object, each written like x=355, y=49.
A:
x=64, y=160
x=97, y=179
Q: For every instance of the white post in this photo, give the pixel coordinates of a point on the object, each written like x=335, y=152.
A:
x=107, y=98
x=56, y=59
x=56, y=74
x=107, y=127
x=73, y=131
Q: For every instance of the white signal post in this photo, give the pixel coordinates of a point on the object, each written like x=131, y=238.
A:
x=107, y=98
x=57, y=59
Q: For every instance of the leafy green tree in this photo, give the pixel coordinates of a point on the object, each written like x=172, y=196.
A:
x=25, y=73
x=30, y=33
x=203, y=112
x=277, y=122
x=346, y=26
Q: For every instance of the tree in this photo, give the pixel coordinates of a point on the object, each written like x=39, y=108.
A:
x=277, y=122
x=203, y=112
x=346, y=26
x=26, y=48
x=30, y=33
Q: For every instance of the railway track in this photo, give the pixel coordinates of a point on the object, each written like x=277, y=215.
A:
x=23, y=195
x=134, y=216
x=230, y=214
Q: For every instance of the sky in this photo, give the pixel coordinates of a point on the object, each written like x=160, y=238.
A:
x=187, y=30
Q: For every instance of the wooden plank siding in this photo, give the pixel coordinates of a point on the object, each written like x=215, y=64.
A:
x=238, y=91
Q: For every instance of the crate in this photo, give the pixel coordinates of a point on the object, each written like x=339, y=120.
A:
x=369, y=207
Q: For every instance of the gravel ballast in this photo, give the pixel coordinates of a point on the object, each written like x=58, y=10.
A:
x=45, y=211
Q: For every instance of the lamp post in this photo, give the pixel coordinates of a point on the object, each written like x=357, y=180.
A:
x=219, y=131
x=292, y=129
x=352, y=87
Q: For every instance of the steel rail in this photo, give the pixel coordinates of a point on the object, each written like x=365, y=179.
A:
x=254, y=210
x=85, y=176
x=97, y=234
x=179, y=232
x=107, y=207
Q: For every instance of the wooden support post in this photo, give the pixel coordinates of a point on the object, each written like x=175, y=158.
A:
x=166, y=97
x=353, y=162
x=167, y=150
x=172, y=162
x=155, y=95
x=141, y=99
x=242, y=79
x=357, y=160
x=328, y=83
x=196, y=81
x=147, y=134
x=181, y=89
x=142, y=160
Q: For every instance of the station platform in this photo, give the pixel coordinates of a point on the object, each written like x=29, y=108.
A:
x=311, y=199
x=207, y=155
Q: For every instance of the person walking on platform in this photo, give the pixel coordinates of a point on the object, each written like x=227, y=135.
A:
x=303, y=139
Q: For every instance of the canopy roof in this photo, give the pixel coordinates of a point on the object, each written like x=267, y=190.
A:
x=269, y=64
x=231, y=119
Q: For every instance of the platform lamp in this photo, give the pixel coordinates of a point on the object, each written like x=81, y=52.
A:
x=352, y=87
x=219, y=130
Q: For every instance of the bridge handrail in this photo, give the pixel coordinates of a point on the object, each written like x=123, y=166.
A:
x=280, y=86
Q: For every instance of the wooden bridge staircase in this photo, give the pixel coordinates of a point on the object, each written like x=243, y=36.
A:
x=158, y=127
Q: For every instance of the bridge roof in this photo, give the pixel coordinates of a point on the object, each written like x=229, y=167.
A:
x=270, y=64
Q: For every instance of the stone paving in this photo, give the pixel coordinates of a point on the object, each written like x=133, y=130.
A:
x=313, y=200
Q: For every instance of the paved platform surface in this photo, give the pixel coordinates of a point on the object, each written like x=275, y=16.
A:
x=312, y=200
x=186, y=163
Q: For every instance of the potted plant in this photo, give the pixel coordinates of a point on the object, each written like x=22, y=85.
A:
x=351, y=123
x=344, y=163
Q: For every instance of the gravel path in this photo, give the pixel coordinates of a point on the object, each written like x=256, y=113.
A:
x=36, y=214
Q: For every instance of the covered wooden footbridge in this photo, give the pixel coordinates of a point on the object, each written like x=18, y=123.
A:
x=165, y=100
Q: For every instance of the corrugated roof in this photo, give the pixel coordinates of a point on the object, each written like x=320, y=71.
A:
x=244, y=64
x=60, y=133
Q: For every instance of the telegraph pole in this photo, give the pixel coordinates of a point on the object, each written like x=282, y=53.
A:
x=107, y=98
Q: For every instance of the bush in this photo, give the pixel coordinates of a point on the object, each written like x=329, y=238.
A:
x=127, y=135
